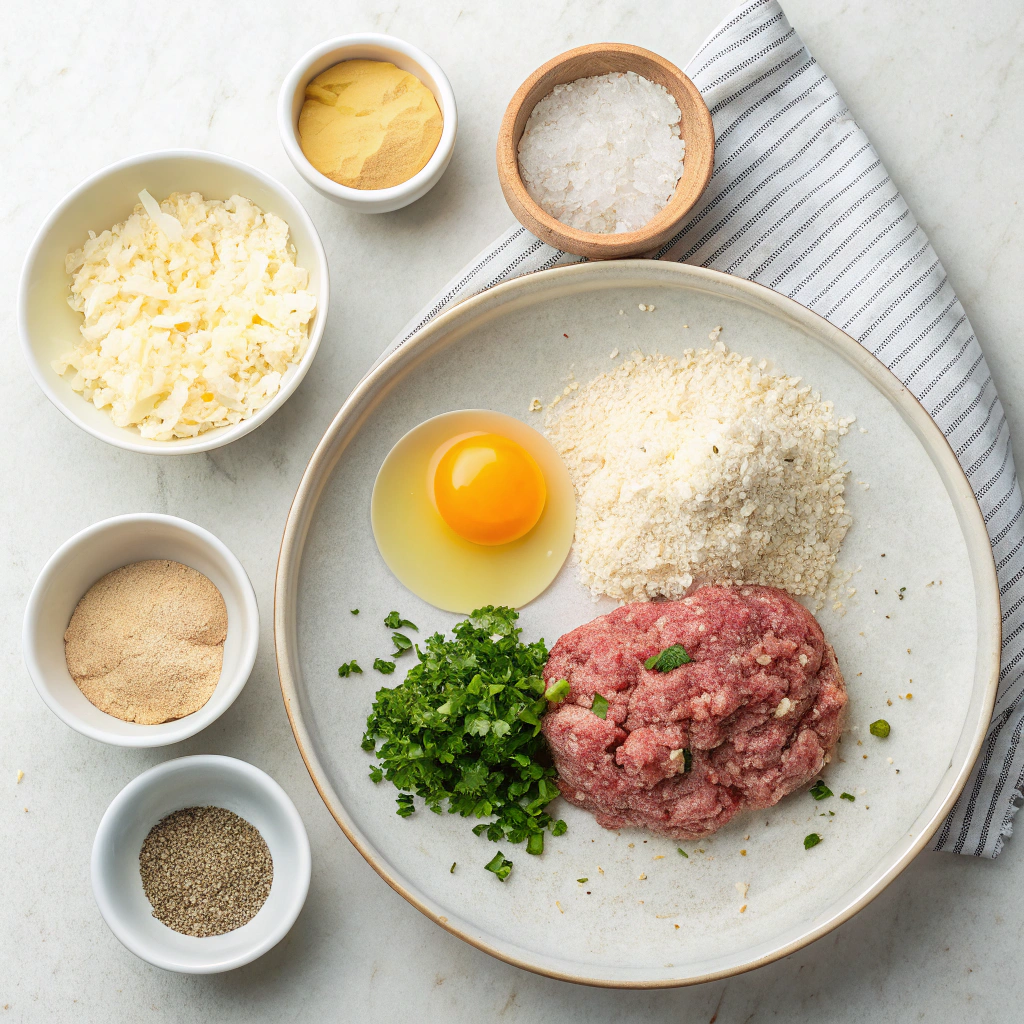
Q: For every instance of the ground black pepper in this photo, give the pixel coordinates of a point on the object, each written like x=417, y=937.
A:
x=205, y=870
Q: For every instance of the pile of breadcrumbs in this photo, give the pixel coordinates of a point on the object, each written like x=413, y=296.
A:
x=705, y=469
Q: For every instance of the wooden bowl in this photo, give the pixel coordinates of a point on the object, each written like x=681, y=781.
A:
x=600, y=59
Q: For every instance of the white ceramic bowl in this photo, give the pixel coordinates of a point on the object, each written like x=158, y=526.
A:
x=201, y=781
x=49, y=327
x=100, y=549
x=367, y=46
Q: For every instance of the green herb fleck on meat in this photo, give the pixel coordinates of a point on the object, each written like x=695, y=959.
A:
x=669, y=659
x=600, y=706
x=557, y=692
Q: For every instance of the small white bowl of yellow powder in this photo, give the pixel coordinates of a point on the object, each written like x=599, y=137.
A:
x=141, y=630
x=369, y=121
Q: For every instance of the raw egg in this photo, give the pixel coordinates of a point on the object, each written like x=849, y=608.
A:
x=489, y=489
x=473, y=508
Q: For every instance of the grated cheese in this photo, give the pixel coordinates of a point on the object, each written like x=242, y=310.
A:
x=702, y=469
x=193, y=311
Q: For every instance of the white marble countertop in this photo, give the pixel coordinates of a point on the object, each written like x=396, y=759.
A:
x=937, y=85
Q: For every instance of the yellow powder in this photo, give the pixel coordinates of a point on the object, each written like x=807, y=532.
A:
x=367, y=124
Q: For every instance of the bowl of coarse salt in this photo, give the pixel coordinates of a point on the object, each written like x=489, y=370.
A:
x=138, y=662
x=604, y=150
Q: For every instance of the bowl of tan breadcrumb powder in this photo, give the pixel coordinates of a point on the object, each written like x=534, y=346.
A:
x=141, y=630
x=201, y=864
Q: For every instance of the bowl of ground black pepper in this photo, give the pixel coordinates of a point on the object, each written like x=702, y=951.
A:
x=201, y=864
x=141, y=630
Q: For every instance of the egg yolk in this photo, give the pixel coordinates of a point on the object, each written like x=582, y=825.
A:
x=489, y=489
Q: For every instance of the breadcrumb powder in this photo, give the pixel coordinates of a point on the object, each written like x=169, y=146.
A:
x=146, y=642
x=703, y=469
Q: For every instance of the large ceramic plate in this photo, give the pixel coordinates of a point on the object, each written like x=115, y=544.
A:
x=682, y=923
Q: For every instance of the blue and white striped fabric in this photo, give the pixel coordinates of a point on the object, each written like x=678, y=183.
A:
x=799, y=201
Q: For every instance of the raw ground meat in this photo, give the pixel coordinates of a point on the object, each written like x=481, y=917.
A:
x=760, y=708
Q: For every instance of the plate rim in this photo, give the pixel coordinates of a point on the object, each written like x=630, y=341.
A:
x=361, y=402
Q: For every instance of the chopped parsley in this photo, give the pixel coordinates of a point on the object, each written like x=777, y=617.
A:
x=402, y=644
x=670, y=658
x=354, y=611
x=879, y=728
x=820, y=791
x=387, y=667
x=682, y=852
x=349, y=667
x=812, y=840
x=462, y=732
x=451, y=870
x=600, y=706
x=395, y=621
x=687, y=759
x=582, y=880
x=847, y=796
x=500, y=865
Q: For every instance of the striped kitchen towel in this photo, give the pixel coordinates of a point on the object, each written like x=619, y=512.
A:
x=799, y=201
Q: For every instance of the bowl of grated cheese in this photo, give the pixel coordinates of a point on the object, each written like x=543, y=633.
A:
x=173, y=302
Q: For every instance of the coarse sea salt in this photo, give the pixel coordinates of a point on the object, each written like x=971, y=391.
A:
x=603, y=154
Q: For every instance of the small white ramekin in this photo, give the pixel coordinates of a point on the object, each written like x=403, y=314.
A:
x=368, y=46
x=206, y=780
x=100, y=549
x=49, y=327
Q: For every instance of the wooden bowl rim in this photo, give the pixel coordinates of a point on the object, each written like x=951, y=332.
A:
x=623, y=243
